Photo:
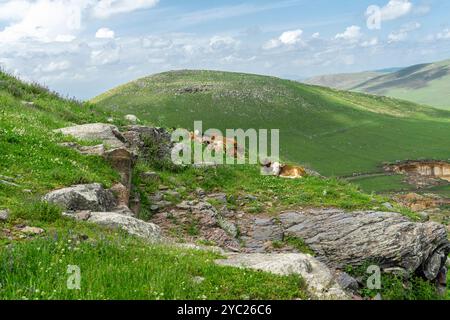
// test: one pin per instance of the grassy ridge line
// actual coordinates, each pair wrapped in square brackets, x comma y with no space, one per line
[335,132]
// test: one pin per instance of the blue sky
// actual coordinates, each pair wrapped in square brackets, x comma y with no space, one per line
[84,47]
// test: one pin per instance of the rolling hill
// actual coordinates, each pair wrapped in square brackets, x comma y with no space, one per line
[424,83]
[335,132]
[343,81]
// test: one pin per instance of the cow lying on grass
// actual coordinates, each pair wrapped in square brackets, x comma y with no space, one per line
[218,144]
[282,170]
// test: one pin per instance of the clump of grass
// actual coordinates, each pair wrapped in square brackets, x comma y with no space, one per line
[298,244]
[40,211]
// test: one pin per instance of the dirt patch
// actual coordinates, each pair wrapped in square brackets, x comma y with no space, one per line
[422,174]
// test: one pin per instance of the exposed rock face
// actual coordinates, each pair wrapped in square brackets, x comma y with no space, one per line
[318,278]
[133,226]
[353,238]
[121,193]
[122,160]
[107,133]
[417,202]
[422,173]
[210,224]
[146,141]
[98,150]
[83,197]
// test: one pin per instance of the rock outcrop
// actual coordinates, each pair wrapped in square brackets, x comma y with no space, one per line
[107,133]
[133,226]
[149,142]
[353,238]
[83,197]
[318,278]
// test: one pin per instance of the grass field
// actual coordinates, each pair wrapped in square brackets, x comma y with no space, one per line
[335,132]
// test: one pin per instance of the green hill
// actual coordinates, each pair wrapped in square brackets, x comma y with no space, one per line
[343,81]
[334,132]
[424,83]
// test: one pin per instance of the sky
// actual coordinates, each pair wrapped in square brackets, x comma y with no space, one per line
[81,48]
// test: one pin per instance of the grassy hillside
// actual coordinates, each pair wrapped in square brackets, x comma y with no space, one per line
[334,132]
[35,267]
[343,81]
[424,83]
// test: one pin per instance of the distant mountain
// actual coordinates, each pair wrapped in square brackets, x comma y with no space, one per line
[344,81]
[427,83]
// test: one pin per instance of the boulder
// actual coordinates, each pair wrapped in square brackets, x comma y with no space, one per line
[82,197]
[97,150]
[133,226]
[388,239]
[131,118]
[4,215]
[107,133]
[153,143]
[318,278]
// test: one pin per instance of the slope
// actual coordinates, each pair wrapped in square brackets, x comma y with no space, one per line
[334,132]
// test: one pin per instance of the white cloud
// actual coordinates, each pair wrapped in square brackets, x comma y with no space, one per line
[107,8]
[13,10]
[287,38]
[43,20]
[104,33]
[271,44]
[58,20]
[223,43]
[107,55]
[402,34]
[351,34]
[370,43]
[395,9]
[316,35]
[291,37]
[445,34]
[53,66]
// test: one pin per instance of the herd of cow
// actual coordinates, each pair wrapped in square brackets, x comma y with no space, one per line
[230,147]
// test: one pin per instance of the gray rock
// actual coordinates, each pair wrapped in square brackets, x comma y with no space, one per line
[229,227]
[424,216]
[171,194]
[388,206]
[106,133]
[353,238]
[131,118]
[149,142]
[150,176]
[4,215]
[319,279]
[91,197]
[133,226]
[347,282]
[267,230]
[220,197]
